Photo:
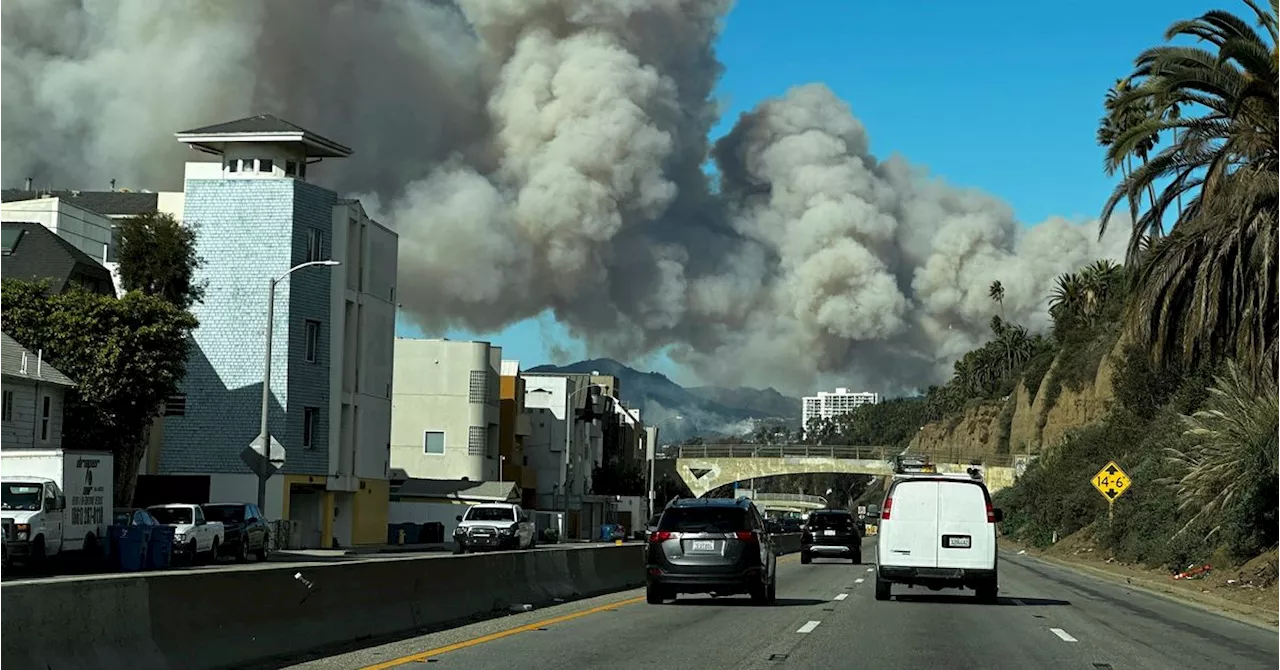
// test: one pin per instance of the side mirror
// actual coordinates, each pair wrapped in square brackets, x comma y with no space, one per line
[997,514]
[459,517]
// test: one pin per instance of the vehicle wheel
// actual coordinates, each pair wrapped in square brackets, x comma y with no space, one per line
[883,588]
[192,554]
[760,594]
[772,594]
[988,592]
[38,557]
[91,554]
[242,551]
[857,557]
[265,550]
[805,558]
[458,548]
[213,551]
[654,594]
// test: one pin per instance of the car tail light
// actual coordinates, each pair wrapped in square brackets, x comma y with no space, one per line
[747,536]
[991,513]
[886,508]
[661,536]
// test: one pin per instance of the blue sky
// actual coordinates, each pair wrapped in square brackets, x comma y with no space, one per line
[999,95]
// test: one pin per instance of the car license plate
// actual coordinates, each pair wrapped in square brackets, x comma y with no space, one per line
[703,546]
[957,541]
[828,533]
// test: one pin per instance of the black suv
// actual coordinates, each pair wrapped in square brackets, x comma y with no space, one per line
[245,529]
[715,545]
[831,533]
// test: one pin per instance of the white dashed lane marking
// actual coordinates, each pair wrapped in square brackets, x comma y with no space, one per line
[841,596]
[808,628]
[870,569]
[1066,637]
[859,580]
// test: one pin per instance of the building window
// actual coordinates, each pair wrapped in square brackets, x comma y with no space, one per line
[477,440]
[264,165]
[7,411]
[310,426]
[313,340]
[315,245]
[233,165]
[46,411]
[433,442]
[477,393]
[176,405]
[291,168]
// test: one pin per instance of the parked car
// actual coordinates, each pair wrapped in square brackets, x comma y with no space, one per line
[831,533]
[937,531]
[245,530]
[718,546]
[55,502]
[494,526]
[193,535]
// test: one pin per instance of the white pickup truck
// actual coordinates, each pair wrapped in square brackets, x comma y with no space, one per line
[193,535]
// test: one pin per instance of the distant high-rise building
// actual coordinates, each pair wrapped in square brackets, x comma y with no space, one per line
[826,405]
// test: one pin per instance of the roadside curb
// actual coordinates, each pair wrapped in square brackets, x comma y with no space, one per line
[1248,614]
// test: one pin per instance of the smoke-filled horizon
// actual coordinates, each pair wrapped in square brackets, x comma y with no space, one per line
[548,154]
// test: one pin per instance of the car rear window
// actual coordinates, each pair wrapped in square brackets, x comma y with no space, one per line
[831,521]
[224,513]
[704,520]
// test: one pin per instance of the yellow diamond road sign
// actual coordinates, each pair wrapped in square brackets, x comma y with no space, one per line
[1111,481]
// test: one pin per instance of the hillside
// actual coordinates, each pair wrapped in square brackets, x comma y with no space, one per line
[707,410]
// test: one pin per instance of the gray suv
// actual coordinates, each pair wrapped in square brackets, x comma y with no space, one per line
[717,546]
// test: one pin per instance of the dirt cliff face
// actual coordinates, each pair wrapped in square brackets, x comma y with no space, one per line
[1022,423]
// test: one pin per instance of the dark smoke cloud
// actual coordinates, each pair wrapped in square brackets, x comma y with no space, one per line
[547,154]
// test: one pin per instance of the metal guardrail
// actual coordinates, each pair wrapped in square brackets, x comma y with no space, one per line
[790,497]
[778,451]
[882,453]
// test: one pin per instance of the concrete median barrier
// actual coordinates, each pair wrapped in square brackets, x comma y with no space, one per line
[214,619]
[788,543]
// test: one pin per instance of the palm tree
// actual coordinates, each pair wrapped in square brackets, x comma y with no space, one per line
[1232,444]
[1208,290]
[996,293]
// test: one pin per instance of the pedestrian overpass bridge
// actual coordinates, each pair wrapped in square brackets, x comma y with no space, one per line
[705,467]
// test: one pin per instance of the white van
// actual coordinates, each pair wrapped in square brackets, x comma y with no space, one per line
[937,531]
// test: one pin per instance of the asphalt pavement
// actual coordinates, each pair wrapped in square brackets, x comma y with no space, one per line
[826,617]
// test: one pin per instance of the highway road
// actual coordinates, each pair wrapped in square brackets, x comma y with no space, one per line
[826,617]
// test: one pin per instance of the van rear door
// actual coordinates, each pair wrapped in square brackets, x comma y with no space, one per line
[908,537]
[965,538]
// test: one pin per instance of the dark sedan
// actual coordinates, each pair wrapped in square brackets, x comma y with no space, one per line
[246,530]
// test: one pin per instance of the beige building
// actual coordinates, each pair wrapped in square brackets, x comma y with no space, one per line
[445,409]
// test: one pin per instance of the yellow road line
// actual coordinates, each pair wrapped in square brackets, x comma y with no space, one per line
[424,655]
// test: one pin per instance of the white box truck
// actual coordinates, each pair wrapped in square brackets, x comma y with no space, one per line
[54,501]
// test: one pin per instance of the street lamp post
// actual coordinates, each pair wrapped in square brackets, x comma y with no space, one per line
[653,459]
[264,467]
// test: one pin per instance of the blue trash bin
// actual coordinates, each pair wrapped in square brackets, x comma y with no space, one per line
[129,547]
[160,548]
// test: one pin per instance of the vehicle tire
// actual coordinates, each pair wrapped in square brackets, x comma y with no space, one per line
[90,553]
[458,548]
[988,592]
[805,558]
[772,594]
[38,557]
[192,554]
[884,588]
[654,595]
[242,551]
[857,557]
[213,551]
[760,593]
[265,550]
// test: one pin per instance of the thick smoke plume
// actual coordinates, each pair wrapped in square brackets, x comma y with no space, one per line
[548,154]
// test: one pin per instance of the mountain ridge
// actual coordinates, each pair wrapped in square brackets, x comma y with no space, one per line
[706,410]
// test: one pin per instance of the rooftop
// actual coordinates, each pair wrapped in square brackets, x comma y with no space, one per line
[33,252]
[261,128]
[106,203]
[17,361]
